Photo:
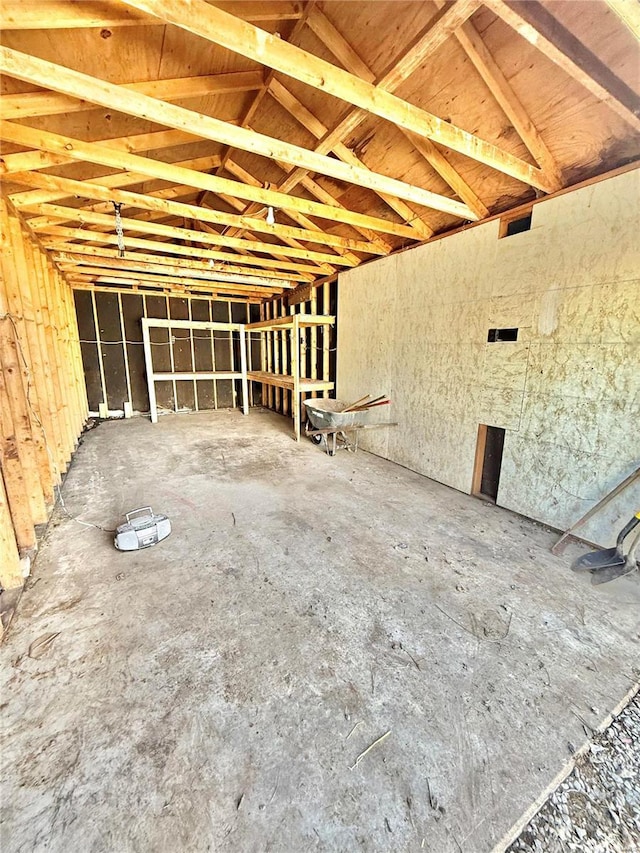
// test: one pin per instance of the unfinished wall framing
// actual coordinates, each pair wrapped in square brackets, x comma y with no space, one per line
[43,404]
[112,350]
[317,351]
[566,392]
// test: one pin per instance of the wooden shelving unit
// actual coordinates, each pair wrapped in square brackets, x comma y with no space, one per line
[293,380]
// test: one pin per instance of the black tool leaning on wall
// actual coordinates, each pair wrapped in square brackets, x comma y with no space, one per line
[611,563]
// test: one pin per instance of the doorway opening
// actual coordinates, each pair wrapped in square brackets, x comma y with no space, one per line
[488,462]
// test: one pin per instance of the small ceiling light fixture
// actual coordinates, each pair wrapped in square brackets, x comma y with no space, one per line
[271,217]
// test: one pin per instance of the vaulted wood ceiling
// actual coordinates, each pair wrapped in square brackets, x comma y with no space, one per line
[359,127]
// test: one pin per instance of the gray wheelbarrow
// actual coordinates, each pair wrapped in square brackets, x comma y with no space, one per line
[335,429]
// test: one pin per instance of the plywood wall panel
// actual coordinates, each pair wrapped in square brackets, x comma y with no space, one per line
[414,326]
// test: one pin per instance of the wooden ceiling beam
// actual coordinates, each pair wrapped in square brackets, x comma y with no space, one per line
[29,104]
[28,161]
[66,188]
[57,236]
[103,155]
[40,72]
[534,23]
[245,122]
[150,289]
[294,107]
[262,91]
[230,264]
[69,14]
[318,22]
[172,288]
[433,35]
[629,13]
[473,45]
[99,269]
[243,175]
[133,284]
[50,214]
[241,37]
[54,188]
[343,51]
[138,264]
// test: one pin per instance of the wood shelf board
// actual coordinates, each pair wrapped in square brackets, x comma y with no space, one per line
[302,321]
[283,380]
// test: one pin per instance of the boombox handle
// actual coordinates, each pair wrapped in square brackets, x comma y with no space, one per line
[143,509]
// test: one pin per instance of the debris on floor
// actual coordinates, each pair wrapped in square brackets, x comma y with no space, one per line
[597,807]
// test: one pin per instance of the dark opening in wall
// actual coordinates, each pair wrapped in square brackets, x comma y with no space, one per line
[488,462]
[509,227]
[498,335]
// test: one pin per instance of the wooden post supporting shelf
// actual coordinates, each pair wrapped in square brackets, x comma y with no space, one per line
[290,325]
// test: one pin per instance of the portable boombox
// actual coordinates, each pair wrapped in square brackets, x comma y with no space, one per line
[142,529]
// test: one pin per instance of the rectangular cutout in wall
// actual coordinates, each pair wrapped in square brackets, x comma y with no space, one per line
[515,225]
[488,462]
[499,335]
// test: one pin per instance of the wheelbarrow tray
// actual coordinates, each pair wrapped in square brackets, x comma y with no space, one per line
[328,414]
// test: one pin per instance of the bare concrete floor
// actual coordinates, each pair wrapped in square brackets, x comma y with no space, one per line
[215,692]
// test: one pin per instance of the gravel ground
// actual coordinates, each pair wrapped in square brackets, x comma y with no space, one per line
[597,807]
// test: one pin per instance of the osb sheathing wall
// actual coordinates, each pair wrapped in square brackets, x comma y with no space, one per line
[414,326]
[42,398]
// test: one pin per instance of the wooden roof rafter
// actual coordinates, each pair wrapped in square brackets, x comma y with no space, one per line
[69,14]
[245,123]
[231,280]
[342,50]
[133,283]
[133,261]
[101,154]
[31,104]
[292,105]
[229,263]
[201,201]
[58,237]
[325,198]
[49,214]
[535,23]
[51,188]
[60,78]
[433,36]
[236,35]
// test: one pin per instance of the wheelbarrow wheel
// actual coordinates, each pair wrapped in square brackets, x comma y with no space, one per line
[316,439]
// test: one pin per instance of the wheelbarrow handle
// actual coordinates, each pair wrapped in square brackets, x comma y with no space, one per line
[626,530]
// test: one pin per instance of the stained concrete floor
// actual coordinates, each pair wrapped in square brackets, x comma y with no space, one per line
[215,692]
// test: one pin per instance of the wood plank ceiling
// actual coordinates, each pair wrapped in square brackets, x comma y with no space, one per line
[251,147]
